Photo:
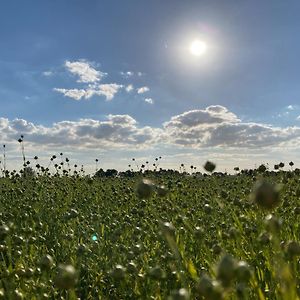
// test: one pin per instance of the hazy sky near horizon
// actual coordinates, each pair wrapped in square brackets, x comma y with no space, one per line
[116,79]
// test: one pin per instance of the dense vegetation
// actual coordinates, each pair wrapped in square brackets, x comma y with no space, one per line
[173,236]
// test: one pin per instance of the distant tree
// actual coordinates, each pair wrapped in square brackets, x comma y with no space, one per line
[100,173]
[107,173]
[111,173]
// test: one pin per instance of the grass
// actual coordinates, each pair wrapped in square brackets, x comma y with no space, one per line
[175,236]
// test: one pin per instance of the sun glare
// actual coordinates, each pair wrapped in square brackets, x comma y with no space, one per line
[198,48]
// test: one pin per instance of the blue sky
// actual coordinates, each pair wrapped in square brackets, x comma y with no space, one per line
[116,80]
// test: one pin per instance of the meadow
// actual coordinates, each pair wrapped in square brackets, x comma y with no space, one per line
[150,235]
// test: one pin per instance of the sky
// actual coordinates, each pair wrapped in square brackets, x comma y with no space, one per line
[116,80]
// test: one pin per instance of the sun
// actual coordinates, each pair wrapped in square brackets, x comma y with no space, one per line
[198,48]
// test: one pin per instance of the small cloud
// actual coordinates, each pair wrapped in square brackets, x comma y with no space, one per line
[129,88]
[140,74]
[143,90]
[149,100]
[75,94]
[107,90]
[292,107]
[47,73]
[90,76]
[127,74]
[298,118]
[84,70]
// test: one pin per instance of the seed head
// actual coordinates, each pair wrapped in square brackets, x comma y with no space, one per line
[167,228]
[46,262]
[266,195]
[226,270]
[145,189]
[243,272]
[209,166]
[161,191]
[293,249]
[4,231]
[209,289]
[66,277]
[181,294]
[17,295]
[118,272]
[273,224]
[157,273]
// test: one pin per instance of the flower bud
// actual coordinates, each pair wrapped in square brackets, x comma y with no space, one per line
[226,270]
[145,189]
[66,277]
[293,249]
[46,262]
[266,195]
[243,272]
[4,231]
[118,272]
[181,294]
[272,223]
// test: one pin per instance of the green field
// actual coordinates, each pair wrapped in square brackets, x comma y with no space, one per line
[198,237]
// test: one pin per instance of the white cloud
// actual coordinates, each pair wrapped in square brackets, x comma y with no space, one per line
[215,126]
[211,129]
[91,77]
[108,90]
[114,132]
[127,74]
[47,73]
[149,100]
[84,70]
[291,107]
[75,94]
[298,118]
[210,115]
[129,88]
[142,90]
